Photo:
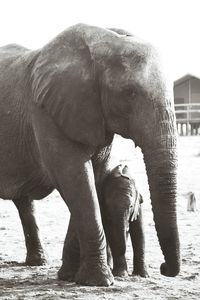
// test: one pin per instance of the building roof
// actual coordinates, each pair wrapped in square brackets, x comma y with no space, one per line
[185,78]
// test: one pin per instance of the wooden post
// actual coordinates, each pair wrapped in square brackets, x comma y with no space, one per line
[188,109]
[187,128]
[181,128]
[192,129]
[195,128]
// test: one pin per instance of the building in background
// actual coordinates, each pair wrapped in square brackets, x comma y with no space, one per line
[187,104]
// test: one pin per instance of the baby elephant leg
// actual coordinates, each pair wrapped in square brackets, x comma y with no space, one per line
[116,249]
[35,253]
[138,243]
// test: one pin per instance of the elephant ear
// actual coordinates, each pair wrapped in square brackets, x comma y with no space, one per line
[121,171]
[136,207]
[126,173]
[64,84]
[117,171]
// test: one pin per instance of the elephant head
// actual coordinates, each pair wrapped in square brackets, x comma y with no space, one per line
[94,81]
[121,195]
[138,104]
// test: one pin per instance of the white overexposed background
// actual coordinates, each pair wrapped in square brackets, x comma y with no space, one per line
[172,25]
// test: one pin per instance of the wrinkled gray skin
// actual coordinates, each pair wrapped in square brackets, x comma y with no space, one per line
[122,215]
[35,255]
[59,109]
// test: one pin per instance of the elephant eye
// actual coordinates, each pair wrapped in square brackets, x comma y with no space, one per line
[129,92]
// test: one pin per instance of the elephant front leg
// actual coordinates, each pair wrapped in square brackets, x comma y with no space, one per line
[120,268]
[71,254]
[138,243]
[70,170]
[78,190]
[75,181]
[35,254]
[116,238]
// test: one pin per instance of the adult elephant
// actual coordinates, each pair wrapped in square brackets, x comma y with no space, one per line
[59,108]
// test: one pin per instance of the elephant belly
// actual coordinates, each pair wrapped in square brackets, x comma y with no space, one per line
[34,186]
[21,171]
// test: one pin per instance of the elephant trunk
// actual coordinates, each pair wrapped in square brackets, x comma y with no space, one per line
[161,165]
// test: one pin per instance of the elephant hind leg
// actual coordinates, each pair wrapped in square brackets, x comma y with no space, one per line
[69,167]
[35,253]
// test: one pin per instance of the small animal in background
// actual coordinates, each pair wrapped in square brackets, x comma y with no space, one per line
[191,205]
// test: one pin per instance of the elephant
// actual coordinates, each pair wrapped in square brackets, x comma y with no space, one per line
[60,107]
[122,214]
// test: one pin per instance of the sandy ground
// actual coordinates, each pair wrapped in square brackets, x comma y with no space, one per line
[20,282]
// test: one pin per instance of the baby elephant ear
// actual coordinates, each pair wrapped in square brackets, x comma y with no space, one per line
[136,207]
[117,171]
[126,172]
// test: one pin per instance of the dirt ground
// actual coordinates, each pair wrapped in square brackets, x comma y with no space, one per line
[21,282]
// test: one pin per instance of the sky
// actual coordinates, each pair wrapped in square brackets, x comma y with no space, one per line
[173,26]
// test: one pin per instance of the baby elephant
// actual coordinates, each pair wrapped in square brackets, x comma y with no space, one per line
[122,214]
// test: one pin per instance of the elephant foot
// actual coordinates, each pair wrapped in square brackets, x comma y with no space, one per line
[36,259]
[120,272]
[94,275]
[164,270]
[67,274]
[140,272]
